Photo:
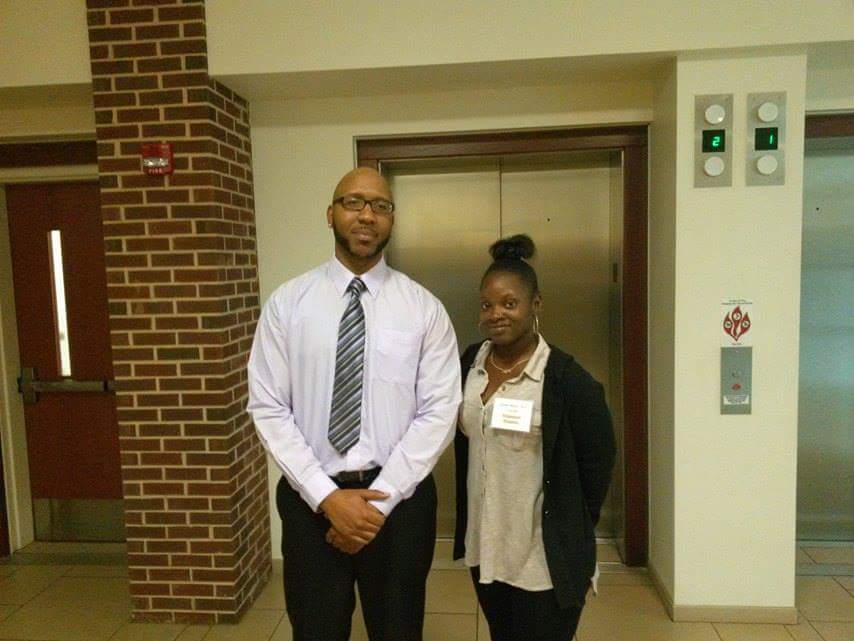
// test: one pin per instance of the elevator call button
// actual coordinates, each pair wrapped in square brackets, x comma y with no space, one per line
[766,165]
[768,111]
[713,140]
[766,139]
[715,114]
[714,166]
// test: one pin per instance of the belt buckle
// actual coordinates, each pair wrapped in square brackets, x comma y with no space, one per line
[354,476]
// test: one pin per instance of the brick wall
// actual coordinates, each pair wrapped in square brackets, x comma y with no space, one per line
[183,296]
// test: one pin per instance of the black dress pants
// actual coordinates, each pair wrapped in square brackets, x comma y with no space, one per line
[391,571]
[514,614]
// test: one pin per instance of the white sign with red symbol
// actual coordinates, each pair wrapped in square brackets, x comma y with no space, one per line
[737,323]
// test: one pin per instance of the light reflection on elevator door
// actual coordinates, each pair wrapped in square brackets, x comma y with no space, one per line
[450,211]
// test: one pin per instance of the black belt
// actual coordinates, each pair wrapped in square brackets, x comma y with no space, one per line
[358,476]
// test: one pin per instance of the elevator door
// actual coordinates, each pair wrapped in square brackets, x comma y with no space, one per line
[449,212]
[826,397]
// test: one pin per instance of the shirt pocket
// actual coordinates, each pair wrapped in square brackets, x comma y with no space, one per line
[397,355]
[523,441]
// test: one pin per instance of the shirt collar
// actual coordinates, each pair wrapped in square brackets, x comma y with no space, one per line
[537,364]
[373,278]
[534,368]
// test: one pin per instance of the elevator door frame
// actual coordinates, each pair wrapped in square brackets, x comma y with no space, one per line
[632,141]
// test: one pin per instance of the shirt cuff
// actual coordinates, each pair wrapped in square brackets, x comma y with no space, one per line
[394,497]
[317,488]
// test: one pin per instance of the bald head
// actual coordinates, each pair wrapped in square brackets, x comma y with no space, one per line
[360,179]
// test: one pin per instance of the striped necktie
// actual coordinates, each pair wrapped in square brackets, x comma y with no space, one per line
[345,418]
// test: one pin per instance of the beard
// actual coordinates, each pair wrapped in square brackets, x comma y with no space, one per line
[348,247]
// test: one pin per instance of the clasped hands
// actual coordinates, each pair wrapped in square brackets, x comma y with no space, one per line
[355,522]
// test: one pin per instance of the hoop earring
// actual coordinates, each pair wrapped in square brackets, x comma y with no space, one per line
[536,325]
[479,327]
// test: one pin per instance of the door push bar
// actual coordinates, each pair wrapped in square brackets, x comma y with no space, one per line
[30,387]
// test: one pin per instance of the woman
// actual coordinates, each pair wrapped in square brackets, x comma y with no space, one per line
[534,451]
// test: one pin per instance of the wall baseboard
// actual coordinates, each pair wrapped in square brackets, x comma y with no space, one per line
[735,614]
[663,592]
[721,613]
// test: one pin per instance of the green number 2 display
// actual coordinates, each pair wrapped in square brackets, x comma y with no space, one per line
[714,140]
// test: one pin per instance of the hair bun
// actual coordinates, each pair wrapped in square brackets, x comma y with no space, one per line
[518,247]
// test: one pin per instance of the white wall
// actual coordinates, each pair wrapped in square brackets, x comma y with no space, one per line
[831,89]
[263,36]
[49,111]
[302,147]
[43,42]
[735,475]
[661,319]
[830,76]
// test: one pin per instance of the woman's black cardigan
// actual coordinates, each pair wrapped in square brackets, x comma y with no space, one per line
[578,455]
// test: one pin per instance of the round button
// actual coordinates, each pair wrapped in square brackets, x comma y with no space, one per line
[766,165]
[714,166]
[768,111]
[715,114]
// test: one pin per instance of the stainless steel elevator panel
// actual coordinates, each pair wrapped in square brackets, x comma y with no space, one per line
[613,514]
[826,395]
[445,220]
[450,211]
[565,204]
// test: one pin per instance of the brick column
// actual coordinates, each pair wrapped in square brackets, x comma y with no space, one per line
[183,296]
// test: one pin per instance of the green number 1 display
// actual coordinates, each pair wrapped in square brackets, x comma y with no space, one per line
[714,140]
[767,138]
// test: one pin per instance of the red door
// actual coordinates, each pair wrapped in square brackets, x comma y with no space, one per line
[63,334]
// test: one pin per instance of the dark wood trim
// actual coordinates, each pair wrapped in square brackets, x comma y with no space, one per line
[632,141]
[635,187]
[5,547]
[372,151]
[829,125]
[48,154]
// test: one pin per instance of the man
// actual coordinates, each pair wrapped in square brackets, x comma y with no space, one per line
[354,386]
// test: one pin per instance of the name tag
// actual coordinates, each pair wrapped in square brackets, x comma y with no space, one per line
[512,414]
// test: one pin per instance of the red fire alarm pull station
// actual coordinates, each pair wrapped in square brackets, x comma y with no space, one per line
[157,158]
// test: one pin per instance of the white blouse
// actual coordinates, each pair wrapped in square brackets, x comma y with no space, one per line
[505,479]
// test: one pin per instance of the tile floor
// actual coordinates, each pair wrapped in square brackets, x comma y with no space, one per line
[60,592]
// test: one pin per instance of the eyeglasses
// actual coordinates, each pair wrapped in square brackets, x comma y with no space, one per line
[357,203]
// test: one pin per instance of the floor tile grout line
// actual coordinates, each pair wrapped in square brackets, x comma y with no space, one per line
[43,590]
[17,607]
[790,633]
[815,629]
[276,627]
[809,556]
[114,633]
[836,578]
[119,629]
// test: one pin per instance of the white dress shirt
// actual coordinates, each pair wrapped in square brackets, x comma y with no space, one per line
[410,392]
